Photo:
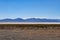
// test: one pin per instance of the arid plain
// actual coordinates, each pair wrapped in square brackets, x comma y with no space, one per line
[29,33]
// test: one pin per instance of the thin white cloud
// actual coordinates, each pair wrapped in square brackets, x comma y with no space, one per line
[35,17]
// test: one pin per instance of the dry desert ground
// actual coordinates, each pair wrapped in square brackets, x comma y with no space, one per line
[39,34]
[29,32]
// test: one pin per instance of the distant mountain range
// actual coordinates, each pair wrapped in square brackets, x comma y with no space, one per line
[30,20]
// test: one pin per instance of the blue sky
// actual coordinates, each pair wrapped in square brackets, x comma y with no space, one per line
[30,8]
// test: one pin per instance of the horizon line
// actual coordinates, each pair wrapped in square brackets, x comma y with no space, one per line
[29,17]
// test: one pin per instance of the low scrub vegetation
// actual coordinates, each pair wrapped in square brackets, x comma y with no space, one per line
[30,26]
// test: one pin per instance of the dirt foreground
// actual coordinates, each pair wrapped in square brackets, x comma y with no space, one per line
[40,34]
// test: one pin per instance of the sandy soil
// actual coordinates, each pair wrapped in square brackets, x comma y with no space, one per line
[40,34]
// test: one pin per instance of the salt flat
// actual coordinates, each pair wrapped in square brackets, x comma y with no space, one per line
[29,22]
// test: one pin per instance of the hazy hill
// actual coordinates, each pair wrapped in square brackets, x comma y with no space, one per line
[30,20]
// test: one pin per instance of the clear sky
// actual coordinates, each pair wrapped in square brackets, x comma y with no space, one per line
[30,8]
